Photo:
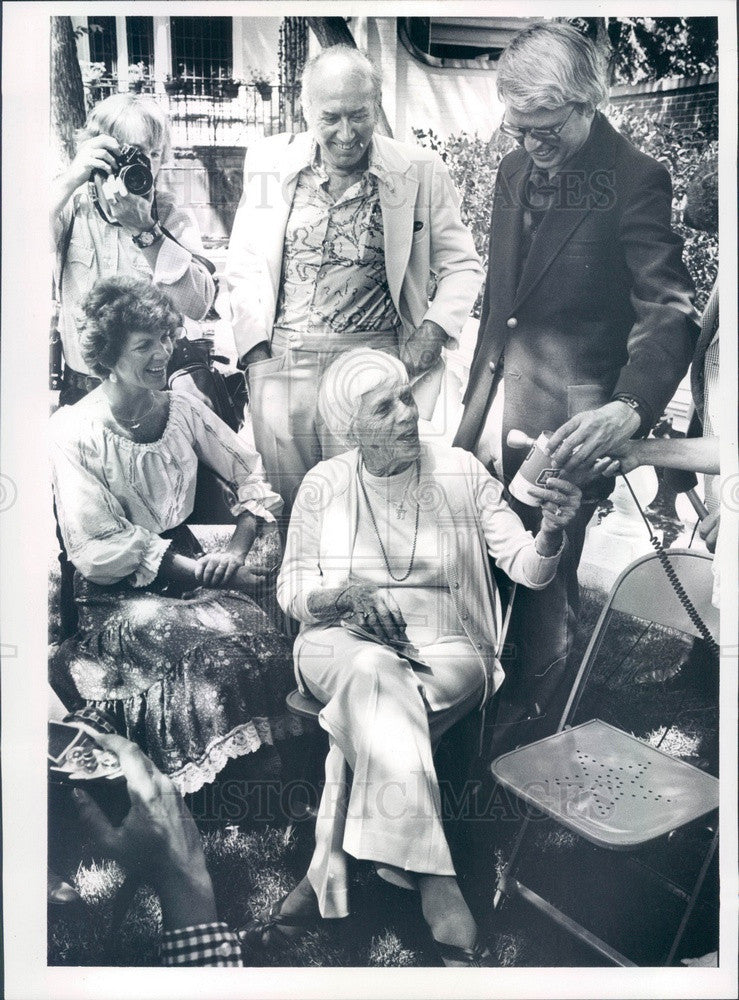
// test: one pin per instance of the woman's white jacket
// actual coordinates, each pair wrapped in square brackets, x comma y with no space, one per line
[473,520]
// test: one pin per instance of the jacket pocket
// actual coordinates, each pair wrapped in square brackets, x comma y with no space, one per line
[80,253]
[585,397]
[267,366]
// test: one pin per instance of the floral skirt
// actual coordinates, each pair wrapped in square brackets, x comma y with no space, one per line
[194,680]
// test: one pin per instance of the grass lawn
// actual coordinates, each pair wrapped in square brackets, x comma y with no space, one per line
[256,863]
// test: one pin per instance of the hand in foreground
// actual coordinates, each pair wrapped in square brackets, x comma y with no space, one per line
[423,348]
[375,610]
[708,530]
[97,153]
[590,435]
[132,211]
[158,836]
[560,502]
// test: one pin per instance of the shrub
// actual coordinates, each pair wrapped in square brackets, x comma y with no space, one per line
[473,163]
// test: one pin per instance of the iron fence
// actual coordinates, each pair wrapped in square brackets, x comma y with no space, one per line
[215,112]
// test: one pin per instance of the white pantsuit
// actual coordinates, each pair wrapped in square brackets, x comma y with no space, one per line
[384,716]
[379,722]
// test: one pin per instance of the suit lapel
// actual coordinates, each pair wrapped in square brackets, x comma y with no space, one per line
[561,221]
[397,201]
[506,234]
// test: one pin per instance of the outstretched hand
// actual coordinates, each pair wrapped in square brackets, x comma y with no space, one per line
[590,435]
[560,502]
[158,831]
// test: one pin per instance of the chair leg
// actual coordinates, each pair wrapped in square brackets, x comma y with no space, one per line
[693,898]
[506,875]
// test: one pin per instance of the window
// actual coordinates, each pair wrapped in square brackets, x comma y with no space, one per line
[202,50]
[140,38]
[103,43]
[458,41]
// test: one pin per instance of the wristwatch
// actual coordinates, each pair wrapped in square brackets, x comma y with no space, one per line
[624,397]
[148,237]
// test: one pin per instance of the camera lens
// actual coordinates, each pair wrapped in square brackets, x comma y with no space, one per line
[137,178]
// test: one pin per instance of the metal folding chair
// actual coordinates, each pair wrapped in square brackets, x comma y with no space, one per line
[603,784]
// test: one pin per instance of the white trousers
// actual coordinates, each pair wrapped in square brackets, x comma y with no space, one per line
[383,719]
[289,432]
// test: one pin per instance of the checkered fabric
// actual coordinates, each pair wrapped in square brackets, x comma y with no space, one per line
[201,944]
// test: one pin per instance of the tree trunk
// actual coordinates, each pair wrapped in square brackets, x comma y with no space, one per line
[293,52]
[67,92]
[607,30]
[335,31]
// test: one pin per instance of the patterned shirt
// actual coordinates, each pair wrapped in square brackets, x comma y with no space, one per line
[201,944]
[99,250]
[333,265]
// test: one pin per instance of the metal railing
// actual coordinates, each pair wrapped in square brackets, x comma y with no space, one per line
[208,112]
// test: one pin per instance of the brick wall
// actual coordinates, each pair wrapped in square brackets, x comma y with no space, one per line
[687,102]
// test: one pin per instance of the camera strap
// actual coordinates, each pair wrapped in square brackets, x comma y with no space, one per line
[207,264]
[95,199]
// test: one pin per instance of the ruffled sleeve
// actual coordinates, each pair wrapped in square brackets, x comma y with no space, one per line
[230,456]
[101,542]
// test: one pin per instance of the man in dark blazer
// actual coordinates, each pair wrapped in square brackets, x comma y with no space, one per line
[587,325]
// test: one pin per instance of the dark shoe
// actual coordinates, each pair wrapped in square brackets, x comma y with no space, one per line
[257,934]
[479,956]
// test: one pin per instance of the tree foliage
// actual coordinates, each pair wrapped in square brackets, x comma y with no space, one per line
[649,48]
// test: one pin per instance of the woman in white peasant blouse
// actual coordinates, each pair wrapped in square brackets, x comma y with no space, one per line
[170,641]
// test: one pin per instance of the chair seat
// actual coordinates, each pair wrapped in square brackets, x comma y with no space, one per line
[306,706]
[606,785]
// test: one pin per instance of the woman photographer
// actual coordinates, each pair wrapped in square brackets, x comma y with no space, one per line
[130,240]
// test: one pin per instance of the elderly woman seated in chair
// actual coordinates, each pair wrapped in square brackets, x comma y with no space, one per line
[386,568]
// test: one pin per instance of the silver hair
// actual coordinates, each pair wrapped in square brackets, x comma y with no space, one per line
[550,64]
[347,379]
[135,119]
[357,57]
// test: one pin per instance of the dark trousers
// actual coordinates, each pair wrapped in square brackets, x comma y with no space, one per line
[538,660]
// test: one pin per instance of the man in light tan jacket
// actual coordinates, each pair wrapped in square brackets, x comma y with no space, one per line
[337,237]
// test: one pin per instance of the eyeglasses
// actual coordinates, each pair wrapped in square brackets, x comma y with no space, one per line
[539,134]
